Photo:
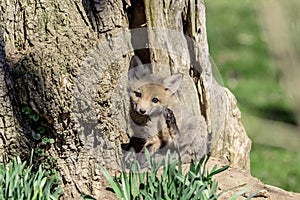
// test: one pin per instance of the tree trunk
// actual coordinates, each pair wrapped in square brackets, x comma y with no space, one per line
[66,62]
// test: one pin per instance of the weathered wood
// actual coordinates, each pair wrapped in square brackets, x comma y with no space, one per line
[180,42]
[68,60]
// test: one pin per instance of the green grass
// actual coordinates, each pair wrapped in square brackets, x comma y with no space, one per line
[276,165]
[238,47]
[166,180]
[18,181]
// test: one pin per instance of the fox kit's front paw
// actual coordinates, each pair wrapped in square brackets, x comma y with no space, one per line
[171,121]
[169,116]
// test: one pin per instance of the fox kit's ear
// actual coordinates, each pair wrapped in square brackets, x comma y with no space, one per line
[137,70]
[172,83]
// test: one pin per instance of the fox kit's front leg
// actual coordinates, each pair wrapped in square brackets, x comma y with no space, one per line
[153,144]
[165,137]
[172,125]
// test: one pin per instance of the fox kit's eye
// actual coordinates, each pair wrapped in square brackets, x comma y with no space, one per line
[138,94]
[155,100]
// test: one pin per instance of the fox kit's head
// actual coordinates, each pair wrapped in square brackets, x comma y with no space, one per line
[150,94]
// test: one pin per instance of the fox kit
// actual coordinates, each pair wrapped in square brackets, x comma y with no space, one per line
[152,102]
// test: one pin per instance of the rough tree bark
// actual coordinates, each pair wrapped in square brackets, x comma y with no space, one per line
[59,58]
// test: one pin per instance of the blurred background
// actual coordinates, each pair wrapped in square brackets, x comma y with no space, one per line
[256,47]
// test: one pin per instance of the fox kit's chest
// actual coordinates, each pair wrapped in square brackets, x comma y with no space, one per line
[148,128]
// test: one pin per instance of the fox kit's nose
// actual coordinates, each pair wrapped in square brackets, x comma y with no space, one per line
[142,111]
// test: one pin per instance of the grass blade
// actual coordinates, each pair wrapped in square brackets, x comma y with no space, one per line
[115,186]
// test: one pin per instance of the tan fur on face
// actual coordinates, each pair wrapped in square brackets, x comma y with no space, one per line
[148,93]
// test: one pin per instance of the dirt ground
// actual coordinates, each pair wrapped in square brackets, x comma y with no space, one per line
[242,180]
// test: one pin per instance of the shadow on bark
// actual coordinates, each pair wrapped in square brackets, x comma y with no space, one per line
[24,84]
[15,135]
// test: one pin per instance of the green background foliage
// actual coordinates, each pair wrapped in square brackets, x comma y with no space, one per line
[238,46]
